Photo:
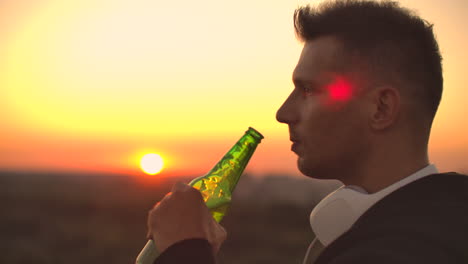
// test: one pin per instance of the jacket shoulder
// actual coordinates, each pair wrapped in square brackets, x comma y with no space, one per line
[433,209]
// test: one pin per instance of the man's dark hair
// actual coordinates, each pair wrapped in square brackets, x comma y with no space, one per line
[392,43]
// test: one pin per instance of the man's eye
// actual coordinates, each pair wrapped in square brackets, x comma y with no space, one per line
[306,90]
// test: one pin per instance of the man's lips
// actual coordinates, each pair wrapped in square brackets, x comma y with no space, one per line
[293,138]
[295,141]
[295,145]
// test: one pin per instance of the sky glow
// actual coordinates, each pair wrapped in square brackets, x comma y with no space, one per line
[90,85]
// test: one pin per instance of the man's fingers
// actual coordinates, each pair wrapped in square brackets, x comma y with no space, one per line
[155,205]
[217,237]
[149,235]
[188,191]
[180,215]
[180,186]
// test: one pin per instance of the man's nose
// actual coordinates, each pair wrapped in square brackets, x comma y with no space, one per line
[286,113]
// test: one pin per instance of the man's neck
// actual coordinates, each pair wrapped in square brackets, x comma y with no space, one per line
[379,175]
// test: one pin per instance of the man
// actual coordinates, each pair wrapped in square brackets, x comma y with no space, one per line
[367,87]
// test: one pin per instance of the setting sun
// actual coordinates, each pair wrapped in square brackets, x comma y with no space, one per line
[152,164]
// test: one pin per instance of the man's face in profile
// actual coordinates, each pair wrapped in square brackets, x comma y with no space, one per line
[324,113]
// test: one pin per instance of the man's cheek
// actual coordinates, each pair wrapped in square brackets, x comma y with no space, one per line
[338,93]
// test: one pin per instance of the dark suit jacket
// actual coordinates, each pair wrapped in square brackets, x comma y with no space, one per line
[194,251]
[425,221]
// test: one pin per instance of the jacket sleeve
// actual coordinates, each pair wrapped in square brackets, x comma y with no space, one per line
[193,251]
[392,249]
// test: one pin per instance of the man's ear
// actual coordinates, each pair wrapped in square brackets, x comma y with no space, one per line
[386,102]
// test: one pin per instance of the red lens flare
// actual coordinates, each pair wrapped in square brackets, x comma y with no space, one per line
[340,89]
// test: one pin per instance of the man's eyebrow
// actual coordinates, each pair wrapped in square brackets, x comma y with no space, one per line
[299,81]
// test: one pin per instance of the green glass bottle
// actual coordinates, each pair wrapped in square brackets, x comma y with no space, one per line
[217,185]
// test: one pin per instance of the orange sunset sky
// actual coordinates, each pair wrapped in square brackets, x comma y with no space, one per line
[92,85]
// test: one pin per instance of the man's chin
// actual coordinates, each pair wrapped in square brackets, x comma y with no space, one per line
[311,170]
[305,167]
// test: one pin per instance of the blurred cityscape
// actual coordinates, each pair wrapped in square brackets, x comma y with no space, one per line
[68,218]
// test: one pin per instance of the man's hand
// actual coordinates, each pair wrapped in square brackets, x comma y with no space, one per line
[181,215]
